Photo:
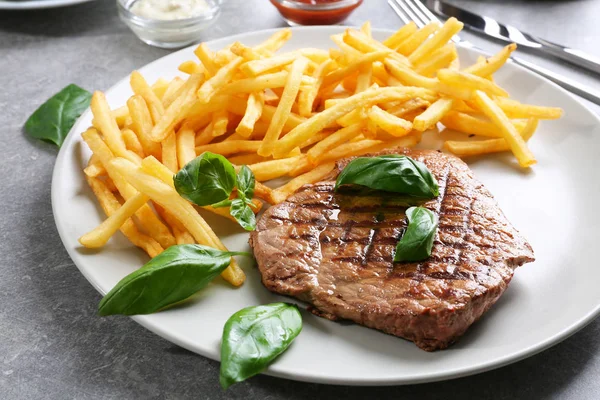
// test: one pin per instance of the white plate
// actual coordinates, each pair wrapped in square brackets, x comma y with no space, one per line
[37,4]
[554,205]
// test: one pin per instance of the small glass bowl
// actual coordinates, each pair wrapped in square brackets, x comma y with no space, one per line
[296,12]
[172,33]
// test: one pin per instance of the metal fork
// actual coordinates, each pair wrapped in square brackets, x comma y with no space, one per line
[414,10]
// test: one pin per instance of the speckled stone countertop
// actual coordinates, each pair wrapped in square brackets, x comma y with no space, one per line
[53,346]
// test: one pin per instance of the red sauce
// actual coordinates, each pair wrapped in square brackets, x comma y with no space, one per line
[315,15]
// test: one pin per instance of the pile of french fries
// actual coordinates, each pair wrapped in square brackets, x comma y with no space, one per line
[290,115]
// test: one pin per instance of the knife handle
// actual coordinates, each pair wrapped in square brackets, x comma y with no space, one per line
[573,56]
[566,83]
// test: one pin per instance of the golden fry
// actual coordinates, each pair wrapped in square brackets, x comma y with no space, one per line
[254,109]
[508,130]
[186,147]
[400,35]
[272,169]
[412,42]
[280,194]
[462,79]
[433,114]
[514,109]
[142,124]
[490,65]
[104,121]
[169,199]
[132,143]
[206,56]
[283,109]
[230,147]
[111,205]
[390,123]
[333,140]
[220,79]
[450,28]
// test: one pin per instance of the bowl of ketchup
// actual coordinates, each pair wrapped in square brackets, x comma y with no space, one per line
[315,12]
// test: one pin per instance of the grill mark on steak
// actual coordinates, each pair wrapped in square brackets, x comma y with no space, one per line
[335,251]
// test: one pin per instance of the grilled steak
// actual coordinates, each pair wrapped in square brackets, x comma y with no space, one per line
[335,251]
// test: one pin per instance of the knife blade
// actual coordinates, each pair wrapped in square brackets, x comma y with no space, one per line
[508,33]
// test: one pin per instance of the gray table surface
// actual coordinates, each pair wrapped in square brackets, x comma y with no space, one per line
[52,345]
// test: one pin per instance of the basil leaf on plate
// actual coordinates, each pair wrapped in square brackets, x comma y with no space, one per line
[244,215]
[172,276]
[254,337]
[207,179]
[245,183]
[390,173]
[417,241]
[53,120]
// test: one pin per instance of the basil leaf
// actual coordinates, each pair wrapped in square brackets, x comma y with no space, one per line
[172,276]
[390,173]
[254,337]
[53,120]
[245,183]
[244,215]
[207,179]
[417,241]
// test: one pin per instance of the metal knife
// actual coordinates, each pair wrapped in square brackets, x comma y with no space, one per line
[508,33]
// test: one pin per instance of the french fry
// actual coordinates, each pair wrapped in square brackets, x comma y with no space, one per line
[272,169]
[283,109]
[514,109]
[390,123]
[433,114]
[146,217]
[462,79]
[111,205]
[478,147]
[120,115]
[317,123]
[365,44]
[206,56]
[177,110]
[230,147]
[142,124]
[491,64]
[405,107]
[408,76]
[508,130]
[190,67]
[182,236]
[275,42]
[205,137]
[99,236]
[247,53]
[441,58]
[450,28]
[280,194]
[173,91]
[336,76]
[220,121]
[159,87]
[132,143]
[412,42]
[333,140]
[153,102]
[355,116]
[247,159]
[263,192]
[169,199]
[169,152]
[104,121]
[186,150]
[262,82]
[258,67]
[363,81]
[400,35]
[220,79]
[254,109]
[94,167]
[307,96]
[473,125]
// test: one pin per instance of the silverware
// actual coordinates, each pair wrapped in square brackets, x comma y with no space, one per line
[414,10]
[508,33]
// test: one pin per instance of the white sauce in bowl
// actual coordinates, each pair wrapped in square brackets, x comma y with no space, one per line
[169,9]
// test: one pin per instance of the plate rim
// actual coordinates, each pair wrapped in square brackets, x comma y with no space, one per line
[301,376]
[39,4]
